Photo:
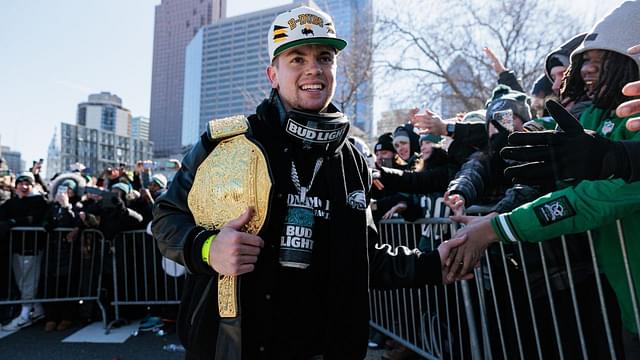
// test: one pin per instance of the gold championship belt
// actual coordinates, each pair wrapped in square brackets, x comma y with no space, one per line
[233,177]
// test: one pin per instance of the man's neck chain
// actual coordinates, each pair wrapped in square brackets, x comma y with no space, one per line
[302,190]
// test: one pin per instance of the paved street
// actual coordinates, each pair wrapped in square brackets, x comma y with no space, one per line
[33,343]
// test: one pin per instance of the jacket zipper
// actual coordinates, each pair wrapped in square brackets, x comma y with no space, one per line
[201,301]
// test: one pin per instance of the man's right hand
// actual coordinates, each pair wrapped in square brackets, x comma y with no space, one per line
[234,252]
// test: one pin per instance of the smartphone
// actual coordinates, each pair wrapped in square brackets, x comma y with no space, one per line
[504,118]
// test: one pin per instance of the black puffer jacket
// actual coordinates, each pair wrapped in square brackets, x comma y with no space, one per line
[350,245]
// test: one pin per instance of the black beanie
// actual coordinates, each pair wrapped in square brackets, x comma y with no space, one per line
[542,85]
[385,142]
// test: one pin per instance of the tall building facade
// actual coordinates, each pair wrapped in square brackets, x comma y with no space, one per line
[53,156]
[102,136]
[176,22]
[225,69]
[450,102]
[139,128]
[13,159]
[97,149]
[104,111]
[390,120]
[354,23]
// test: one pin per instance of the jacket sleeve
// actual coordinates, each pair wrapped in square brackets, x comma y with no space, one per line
[424,182]
[588,205]
[173,226]
[400,267]
[471,180]
[509,78]
[467,139]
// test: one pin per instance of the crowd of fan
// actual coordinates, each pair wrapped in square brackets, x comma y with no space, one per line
[433,168]
[116,200]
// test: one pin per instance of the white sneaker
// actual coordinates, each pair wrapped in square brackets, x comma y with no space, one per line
[17,323]
[37,313]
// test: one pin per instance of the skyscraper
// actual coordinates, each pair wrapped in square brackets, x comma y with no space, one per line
[104,111]
[53,156]
[176,22]
[101,136]
[354,93]
[139,128]
[451,104]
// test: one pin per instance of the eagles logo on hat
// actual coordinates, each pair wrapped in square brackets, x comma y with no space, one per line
[300,26]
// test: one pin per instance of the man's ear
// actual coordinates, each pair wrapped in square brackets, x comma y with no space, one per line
[272,74]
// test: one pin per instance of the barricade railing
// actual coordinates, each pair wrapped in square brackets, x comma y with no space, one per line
[141,275]
[542,300]
[40,266]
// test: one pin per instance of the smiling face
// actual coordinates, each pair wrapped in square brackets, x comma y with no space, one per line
[304,77]
[590,70]
[23,188]
[426,149]
[403,148]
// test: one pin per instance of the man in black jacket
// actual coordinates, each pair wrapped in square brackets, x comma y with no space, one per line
[27,208]
[303,279]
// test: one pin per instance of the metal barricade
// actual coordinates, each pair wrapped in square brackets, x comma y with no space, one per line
[529,300]
[141,275]
[433,321]
[40,266]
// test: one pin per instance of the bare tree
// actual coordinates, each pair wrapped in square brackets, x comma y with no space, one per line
[438,47]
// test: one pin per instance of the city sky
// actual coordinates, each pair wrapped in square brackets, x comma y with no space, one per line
[55,53]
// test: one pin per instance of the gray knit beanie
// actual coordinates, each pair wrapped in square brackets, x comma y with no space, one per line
[616,31]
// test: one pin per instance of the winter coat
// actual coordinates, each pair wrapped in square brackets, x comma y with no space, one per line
[268,327]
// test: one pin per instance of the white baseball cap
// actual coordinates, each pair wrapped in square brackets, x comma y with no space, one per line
[300,26]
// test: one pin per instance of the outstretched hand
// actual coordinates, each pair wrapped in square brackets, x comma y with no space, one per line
[497,65]
[565,154]
[428,122]
[479,235]
[444,250]
[234,252]
[455,202]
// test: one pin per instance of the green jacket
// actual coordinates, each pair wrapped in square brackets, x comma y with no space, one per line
[589,205]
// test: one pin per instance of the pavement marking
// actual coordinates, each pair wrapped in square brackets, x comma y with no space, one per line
[94,333]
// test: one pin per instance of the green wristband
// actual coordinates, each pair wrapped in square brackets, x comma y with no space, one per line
[205,249]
